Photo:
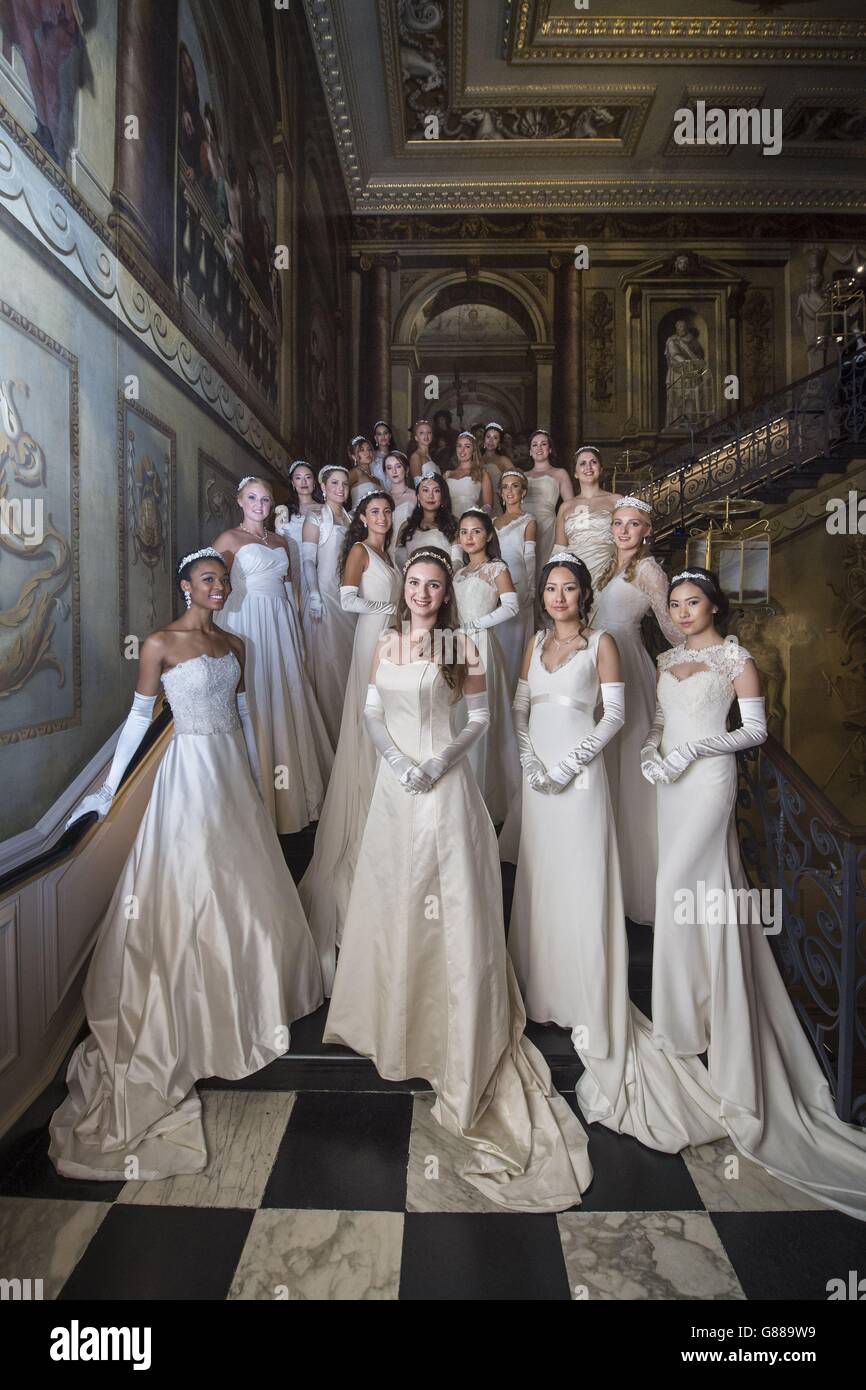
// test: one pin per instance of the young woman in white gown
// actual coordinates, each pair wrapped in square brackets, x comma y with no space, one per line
[494,458]
[289,520]
[584,525]
[205,976]
[567,934]
[361,478]
[486,599]
[329,630]
[399,485]
[468,484]
[383,441]
[516,532]
[369,587]
[716,987]
[419,458]
[548,486]
[633,585]
[295,753]
[431,994]
[431,523]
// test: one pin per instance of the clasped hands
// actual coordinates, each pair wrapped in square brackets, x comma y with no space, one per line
[664,771]
[416,778]
[553,780]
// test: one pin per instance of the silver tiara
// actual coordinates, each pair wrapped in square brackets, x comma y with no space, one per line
[638,502]
[513,473]
[438,555]
[298,463]
[207,554]
[495,425]
[250,478]
[376,426]
[466,434]
[474,511]
[396,454]
[331,468]
[587,449]
[563,556]
[540,430]
[688,574]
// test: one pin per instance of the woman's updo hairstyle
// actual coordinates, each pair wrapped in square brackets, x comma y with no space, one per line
[198,557]
[708,583]
[581,574]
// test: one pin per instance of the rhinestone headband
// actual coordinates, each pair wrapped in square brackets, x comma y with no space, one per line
[466,434]
[331,468]
[381,422]
[688,574]
[207,554]
[563,557]
[396,454]
[588,449]
[438,555]
[512,473]
[540,431]
[495,425]
[250,478]
[299,463]
[377,492]
[638,502]
[474,511]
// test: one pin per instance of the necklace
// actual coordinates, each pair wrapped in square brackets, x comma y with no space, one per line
[564,641]
[262,537]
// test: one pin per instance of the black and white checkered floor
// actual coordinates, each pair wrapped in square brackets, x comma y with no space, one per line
[327,1183]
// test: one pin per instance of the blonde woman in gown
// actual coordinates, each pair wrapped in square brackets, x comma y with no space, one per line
[290,525]
[295,753]
[468,483]
[633,585]
[433,995]
[716,987]
[548,486]
[204,979]
[487,601]
[369,587]
[567,935]
[361,477]
[329,631]
[516,531]
[583,526]
[420,460]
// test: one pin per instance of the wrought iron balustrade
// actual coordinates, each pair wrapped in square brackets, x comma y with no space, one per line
[793,839]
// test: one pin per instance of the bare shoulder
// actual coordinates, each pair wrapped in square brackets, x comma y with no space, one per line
[228,541]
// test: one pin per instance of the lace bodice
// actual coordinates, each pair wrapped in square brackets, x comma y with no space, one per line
[201,693]
[465,492]
[697,705]
[621,605]
[260,570]
[476,591]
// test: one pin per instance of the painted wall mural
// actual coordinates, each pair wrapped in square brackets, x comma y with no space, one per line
[217,489]
[39,613]
[50,36]
[147,545]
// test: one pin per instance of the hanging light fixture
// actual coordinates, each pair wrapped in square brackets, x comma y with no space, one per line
[738,554]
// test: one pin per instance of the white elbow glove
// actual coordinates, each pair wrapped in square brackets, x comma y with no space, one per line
[408,774]
[352,602]
[310,560]
[509,607]
[563,773]
[752,733]
[533,768]
[529,559]
[250,741]
[651,764]
[133,731]
[479,720]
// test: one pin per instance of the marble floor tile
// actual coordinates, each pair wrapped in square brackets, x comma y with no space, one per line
[433,1181]
[44,1238]
[243,1131]
[646,1255]
[315,1255]
[729,1182]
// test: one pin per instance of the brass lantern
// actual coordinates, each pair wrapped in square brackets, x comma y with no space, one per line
[738,554]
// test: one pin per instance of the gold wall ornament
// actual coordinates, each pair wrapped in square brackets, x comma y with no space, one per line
[39,602]
[147,527]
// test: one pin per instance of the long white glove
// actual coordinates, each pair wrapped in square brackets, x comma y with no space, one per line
[651,764]
[351,602]
[479,719]
[310,560]
[563,773]
[529,559]
[408,774]
[250,740]
[133,731]
[534,770]
[509,607]
[752,733]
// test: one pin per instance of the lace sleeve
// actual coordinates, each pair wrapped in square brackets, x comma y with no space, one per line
[672,657]
[492,570]
[652,579]
[736,656]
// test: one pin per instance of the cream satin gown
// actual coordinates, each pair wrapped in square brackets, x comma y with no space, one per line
[330,638]
[325,887]
[423,983]
[541,502]
[295,753]
[494,758]
[514,636]
[567,932]
[716,986]
[589,536]
[465,493]
[218,955]
[620,608]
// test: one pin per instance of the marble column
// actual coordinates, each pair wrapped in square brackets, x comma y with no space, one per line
[376,397]
[144,167]
[567,386]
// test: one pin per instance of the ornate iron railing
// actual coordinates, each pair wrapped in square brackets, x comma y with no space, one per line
[791,429]
[792,838]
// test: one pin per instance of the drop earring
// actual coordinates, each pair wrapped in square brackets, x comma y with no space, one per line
[187,598]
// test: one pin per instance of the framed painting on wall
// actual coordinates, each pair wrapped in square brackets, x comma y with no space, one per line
[147,531]
[40,682]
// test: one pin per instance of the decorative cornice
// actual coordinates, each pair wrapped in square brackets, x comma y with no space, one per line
[323,29]
[38,202]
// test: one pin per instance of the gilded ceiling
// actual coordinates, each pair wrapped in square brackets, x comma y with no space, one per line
[445,105]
